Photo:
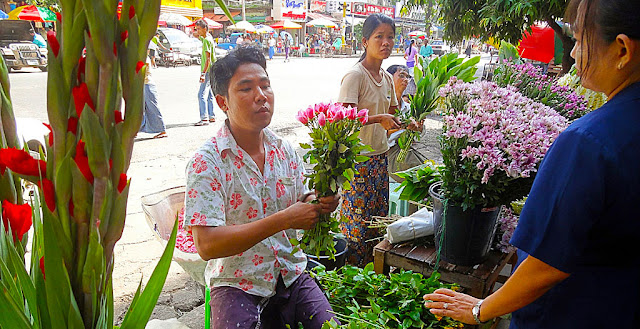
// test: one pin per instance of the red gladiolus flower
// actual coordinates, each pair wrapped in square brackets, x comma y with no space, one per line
[115,49]
[72,125]
[89,34]
[53,42]
[59,17]
[49,193]
[81,97]
[110,164]
[21,162]
[132,12]
[42,267]
[81,67]
[82,162]
[50,133]
[19,216]
[118,116]
[122,183]
[139,66]
[3,168]
[124,35]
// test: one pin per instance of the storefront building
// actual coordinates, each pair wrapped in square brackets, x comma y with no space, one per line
[191,9]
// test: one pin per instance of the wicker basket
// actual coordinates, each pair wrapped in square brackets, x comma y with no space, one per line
[161,210]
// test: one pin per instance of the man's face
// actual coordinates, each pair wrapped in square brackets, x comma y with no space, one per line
[201,31]
[249,104]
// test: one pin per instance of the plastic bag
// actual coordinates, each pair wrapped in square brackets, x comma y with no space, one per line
[409,228]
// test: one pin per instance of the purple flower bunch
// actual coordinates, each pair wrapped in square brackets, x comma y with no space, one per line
[529,80]
[508,221]
[492,137]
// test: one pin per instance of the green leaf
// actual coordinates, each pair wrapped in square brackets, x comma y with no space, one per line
[305,146]
[140,312]
[11,315]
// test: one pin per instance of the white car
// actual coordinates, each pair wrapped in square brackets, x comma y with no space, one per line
[440,47]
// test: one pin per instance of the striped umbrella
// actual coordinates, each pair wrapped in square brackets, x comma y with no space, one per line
[33,13]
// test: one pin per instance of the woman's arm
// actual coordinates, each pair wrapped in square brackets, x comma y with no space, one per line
[532,279]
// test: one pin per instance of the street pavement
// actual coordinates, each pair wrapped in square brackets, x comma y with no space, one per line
[159,164]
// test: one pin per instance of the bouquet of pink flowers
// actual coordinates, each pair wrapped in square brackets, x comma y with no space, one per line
[493,140]
[334,150]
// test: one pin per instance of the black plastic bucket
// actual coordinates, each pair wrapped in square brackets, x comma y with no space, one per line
[341,256]
[467,234]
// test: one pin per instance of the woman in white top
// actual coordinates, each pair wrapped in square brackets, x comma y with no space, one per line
[367,86]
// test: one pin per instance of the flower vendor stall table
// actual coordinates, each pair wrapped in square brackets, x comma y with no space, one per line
[420,257]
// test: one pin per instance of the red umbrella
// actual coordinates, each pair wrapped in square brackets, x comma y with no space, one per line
[538,44]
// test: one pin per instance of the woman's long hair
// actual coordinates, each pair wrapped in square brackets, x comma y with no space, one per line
[371,24]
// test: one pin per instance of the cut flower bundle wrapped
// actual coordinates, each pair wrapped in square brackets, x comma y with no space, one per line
[334,150]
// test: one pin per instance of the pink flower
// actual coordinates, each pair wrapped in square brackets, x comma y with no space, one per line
[363,116]
[302,117]
[322,120]
[352,113]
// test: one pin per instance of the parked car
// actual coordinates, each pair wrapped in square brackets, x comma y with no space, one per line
[178,41]
[232,41]
[17,47]
[440,47]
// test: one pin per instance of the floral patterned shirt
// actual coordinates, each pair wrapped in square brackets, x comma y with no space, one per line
[226,187]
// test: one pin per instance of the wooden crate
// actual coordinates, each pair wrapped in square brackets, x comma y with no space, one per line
[420,256]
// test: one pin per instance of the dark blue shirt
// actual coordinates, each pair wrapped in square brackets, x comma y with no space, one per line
[583,217]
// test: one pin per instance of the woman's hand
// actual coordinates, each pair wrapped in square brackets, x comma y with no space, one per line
[446,302]
[415,125]
[388,121]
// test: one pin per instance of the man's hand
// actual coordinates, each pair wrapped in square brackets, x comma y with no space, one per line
[329,203]
[415,125]
[302,215]
[202,77]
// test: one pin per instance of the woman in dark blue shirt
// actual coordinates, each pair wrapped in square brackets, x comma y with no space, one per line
[578,238]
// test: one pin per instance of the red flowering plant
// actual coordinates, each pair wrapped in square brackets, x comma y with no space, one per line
[96,60]
[334,150]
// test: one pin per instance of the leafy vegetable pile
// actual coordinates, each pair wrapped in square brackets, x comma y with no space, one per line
[363,299]
[418,180]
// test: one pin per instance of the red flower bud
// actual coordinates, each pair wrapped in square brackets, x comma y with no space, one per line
[89,34]
[42,267]
[115,49]
[81,97]
[122,183]
[53,43]
[81,68]
[118,116]
[82,162]
[21,162]
[50,133]
[132,12]
[49,193]
[72,125]
[59,17]
[18,216]
[124,35]
[71,208]
[110,164]
[139,66]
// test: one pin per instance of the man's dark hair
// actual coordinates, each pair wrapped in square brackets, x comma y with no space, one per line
[201,23]
[224,68]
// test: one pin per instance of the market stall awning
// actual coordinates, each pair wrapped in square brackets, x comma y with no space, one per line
[539,44]
[312,16]
[242,26]
[3,15]
[321,22]
[33,13]
[222,18]
[264,29]
[175,19]
[286,24]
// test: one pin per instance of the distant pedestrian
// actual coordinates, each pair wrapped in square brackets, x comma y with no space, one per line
[152,122]
[272,47]
[468,50]
[410,55]
[426,50]
[287,48]
[208,57]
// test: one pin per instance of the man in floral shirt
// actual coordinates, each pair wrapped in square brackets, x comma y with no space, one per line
[243,204]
